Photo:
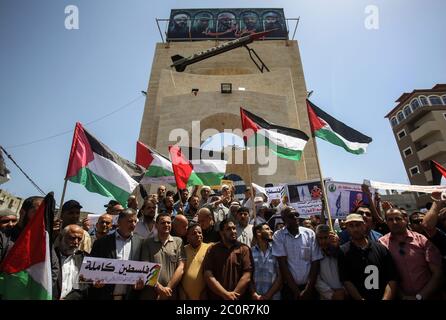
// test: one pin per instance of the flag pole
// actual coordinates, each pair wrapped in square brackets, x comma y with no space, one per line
[252,193]
[73,142]
[324,193]
[63,196]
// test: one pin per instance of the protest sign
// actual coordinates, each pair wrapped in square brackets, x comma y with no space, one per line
[305,197]
[344,198]
[113,271]
[275,193]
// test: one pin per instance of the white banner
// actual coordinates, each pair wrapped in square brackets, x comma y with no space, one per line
[344,198]
[404,187]
[113,271]
[274,193]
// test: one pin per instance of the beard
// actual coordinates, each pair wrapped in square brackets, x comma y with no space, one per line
[67,250]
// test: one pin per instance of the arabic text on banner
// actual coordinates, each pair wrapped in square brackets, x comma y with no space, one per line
[112,271]
[306,198]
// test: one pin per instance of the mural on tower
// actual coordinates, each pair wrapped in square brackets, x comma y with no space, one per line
[227,24]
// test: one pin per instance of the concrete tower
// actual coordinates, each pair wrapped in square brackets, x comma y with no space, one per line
[277,96]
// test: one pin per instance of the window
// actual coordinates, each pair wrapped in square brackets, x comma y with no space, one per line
[435,101]
[415,104]
[407,152]
[393,121]
[407,111]
[414,171]
[424,101]
[444,99]
[400,116]
[401,134]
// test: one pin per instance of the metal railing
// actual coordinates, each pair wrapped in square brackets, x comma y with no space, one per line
[237,30]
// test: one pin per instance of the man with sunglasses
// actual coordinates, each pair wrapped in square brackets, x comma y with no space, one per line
[299,256]
[366,214]
[417,260]
[365,267]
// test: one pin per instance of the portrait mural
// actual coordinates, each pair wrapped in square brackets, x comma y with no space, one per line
[225,24]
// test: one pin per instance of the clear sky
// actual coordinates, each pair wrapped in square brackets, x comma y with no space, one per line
[51,77]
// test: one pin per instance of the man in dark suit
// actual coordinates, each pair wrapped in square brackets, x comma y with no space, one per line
[121,245]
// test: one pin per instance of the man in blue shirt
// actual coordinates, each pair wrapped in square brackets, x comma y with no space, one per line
[266,279]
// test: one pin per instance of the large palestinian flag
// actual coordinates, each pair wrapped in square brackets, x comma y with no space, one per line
[99,169]
[197,167]
[328,128]
[25,273]
[437,172]
[158,167]
[285,142]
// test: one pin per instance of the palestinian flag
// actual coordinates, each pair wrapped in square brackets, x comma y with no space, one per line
[328,128]
[197,167]
[285,142]
[99,169]
[158,167]
[437,172]
[25,273]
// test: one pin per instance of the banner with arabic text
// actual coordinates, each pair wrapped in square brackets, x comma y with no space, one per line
[113,271]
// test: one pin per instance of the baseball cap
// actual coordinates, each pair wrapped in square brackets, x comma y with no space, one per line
[354,217]
[111,203]
[70,204]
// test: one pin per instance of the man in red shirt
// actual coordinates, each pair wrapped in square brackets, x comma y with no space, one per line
[417,260]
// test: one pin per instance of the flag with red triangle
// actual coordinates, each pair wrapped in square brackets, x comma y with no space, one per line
[25,273]
[437,172]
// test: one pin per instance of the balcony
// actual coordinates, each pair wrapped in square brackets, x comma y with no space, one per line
[432,150]
[424,130]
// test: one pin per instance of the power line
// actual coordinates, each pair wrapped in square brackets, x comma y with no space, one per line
[13,161]
[71,130]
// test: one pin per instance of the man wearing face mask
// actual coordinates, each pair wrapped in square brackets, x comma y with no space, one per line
[70,259]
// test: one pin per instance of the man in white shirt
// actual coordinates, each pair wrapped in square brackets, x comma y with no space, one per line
[146,228]
[298,254]
[244,229]
[70,261]
[328,283]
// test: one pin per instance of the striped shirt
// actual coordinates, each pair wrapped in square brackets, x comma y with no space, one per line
[266,269]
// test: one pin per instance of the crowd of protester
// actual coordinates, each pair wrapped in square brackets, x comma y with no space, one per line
[212,246]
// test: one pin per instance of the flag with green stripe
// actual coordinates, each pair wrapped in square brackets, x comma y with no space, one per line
[158,167]
[99,169]
[334,131]
[193,166]
[285,142]
[25,273]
